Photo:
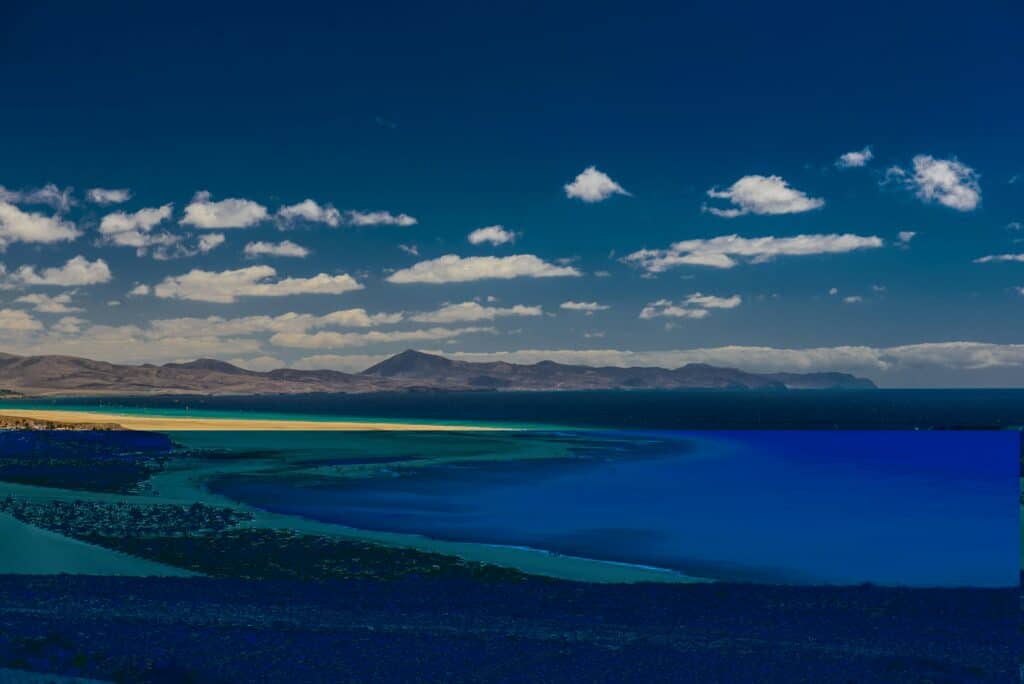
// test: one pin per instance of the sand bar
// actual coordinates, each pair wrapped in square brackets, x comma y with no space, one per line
[156,423]
[25,549]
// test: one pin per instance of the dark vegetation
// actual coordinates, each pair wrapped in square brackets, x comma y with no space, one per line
[460,630]
[100,520]
[198,538]
[89,460]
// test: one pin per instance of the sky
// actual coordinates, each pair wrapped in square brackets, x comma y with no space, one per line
[770,187]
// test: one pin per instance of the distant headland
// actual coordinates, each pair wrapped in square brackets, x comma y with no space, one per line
[409,371]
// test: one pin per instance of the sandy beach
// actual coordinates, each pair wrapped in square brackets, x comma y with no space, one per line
[154,423]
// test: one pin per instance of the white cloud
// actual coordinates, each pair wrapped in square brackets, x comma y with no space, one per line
[105,196]
[49,194]
[494,235]
[17,321]
[592,185]
[22,226]
[410,249]
[906,236]
[949,182]
[853,299]
[310,211]
[664,308]
[135,229]
[57,304]
[210,242]
[588,307]
[1020,290]
[281,249]
[833,291]
[473,311]
[696,306]
[852,160]
[762,195]
[1014,225]
[712,302]
[378,218]
[77,271]
[993,258]
[139,291]
[722,251]
[226,286]
[452,268]
[335,340]
[228,213]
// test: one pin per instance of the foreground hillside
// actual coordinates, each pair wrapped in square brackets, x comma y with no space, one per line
[407,371]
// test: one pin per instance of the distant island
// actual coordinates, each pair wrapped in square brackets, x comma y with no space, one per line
[409,371]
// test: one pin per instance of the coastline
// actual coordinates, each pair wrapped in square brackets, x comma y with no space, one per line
[156,423]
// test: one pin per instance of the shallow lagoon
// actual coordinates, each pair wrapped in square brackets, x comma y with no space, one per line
[902,508]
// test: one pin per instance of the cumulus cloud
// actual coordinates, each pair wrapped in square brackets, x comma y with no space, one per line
[309,211]
[17,322]
[588,307]
[135,229]
[22,226]
[723,251]
[452,268]
[286,248]
[335,340]
[695,306]
[853,299]
[77,271]
[993,258]
[210,242]
[139,291]
[50,195]
[905,236]
[664,308]
[852,160]
[57,304]
[473,311]
[105,196]
[494,235]
[225,287]
[378,218]
[204,213]
[949,182]
[592,185]
[762,195]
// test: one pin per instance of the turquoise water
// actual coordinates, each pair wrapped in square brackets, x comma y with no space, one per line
[667,410]
[899,508]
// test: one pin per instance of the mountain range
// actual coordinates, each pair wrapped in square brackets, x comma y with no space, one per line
[408,371]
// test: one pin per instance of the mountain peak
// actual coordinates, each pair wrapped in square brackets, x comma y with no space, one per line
[410,362]
[207,365]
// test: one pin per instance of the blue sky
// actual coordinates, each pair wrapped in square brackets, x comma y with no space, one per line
[721,221]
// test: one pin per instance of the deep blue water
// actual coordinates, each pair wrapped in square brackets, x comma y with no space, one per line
[905,508]
[669,410]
